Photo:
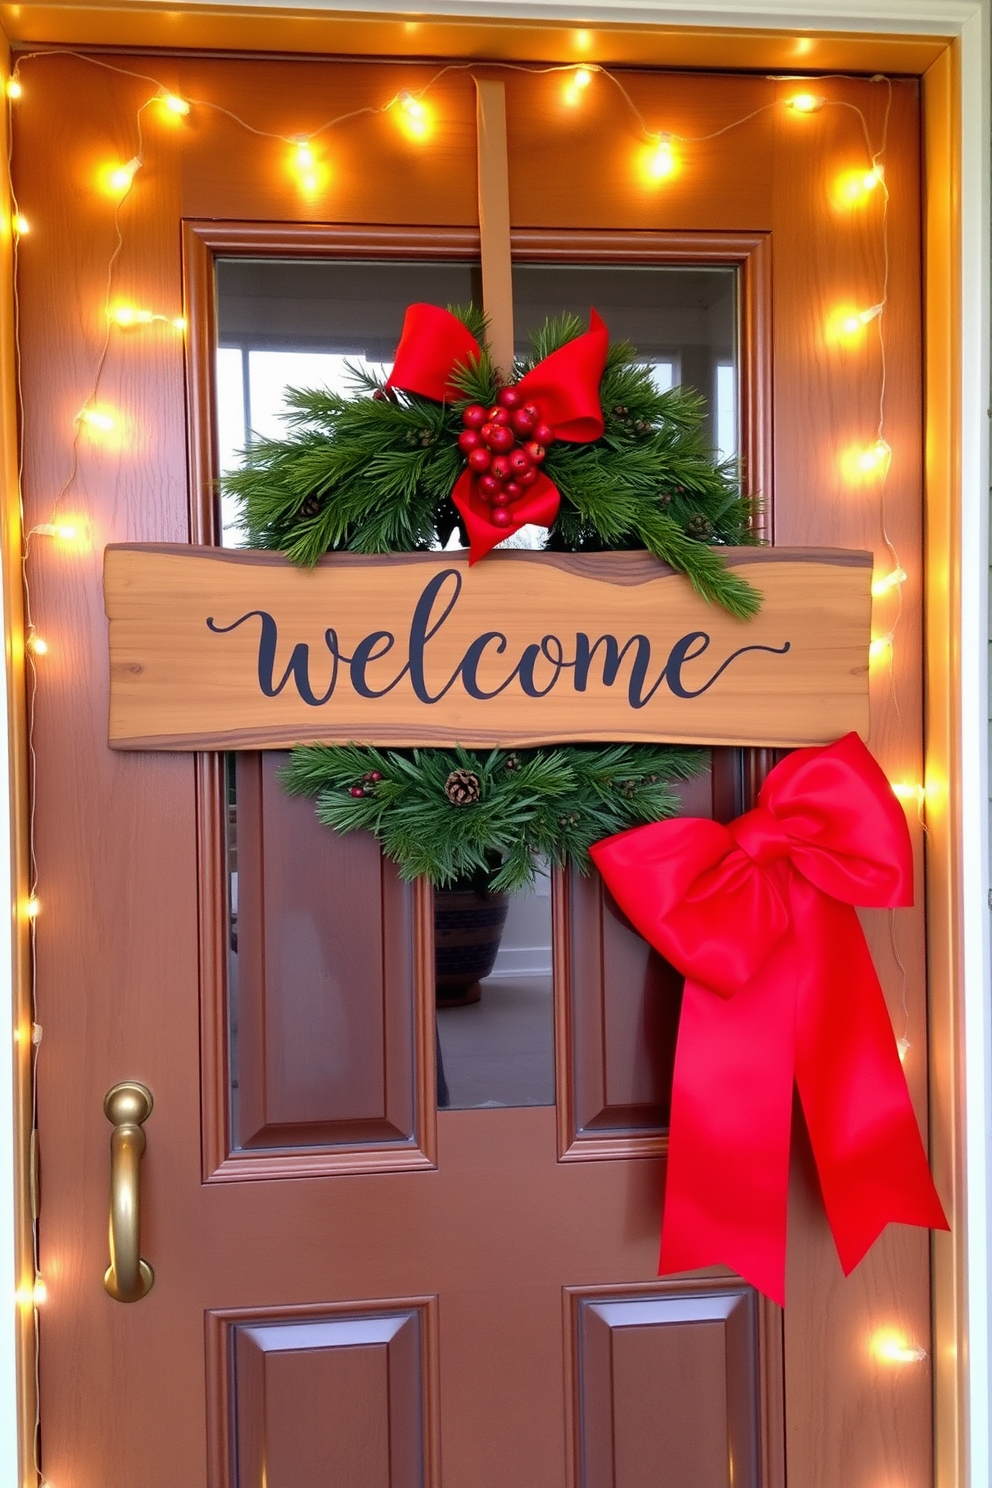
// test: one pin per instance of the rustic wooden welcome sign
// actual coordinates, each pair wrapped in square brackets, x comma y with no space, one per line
[220,649]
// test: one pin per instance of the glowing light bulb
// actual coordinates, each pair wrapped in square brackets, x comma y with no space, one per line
[178,322]
[63,530]
[310,172]
[414,117]
[126,316]
[120,178]
[847,324]
[32,1294]
[20,224]
[661,159]
[33,908]
[853,187]
[865,461]
[891,1347]
[411,106]
[903,1047]
[98,419]
[888,582]
[12,88]
[880,648]
[806,103]
[875,455]
[174,104]
[907,791]
[576,84]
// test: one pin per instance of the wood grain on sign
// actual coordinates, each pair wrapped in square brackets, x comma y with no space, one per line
[236,650]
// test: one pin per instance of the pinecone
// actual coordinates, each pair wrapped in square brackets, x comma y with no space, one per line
[641,426]
[426,438]
[699,526]
[512,762]
[664,498]
[462,788]
[620,411]
[310,507]
[569,819]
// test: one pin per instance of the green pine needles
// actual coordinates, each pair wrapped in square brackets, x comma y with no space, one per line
[461,816]
[374,473]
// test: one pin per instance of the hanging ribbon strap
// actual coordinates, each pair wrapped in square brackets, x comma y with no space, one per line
[780,987]
[564,387]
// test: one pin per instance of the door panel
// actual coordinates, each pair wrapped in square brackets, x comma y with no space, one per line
[518,1247]
[644,1361]
[333,1397]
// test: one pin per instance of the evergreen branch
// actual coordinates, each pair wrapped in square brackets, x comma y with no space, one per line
[550,803]
[374,474]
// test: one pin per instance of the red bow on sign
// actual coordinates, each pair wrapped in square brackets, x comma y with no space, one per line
[780,986]
[502,488]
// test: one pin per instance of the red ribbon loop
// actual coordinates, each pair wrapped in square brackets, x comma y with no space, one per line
[433,343]
[564,386]
[780,989]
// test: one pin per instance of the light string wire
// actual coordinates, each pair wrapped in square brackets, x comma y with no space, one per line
[31,678]
[162,93]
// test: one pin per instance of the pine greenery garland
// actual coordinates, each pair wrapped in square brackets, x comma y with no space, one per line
[374,473]
[520,804]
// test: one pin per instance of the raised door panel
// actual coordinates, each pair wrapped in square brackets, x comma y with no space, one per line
[667,1388]
[304,1399]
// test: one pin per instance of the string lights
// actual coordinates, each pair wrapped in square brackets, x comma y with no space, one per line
[806,103]
[120,178]
[413,115]
[661,158]
[130,316]
[576,85]
[891,1347]
[662,155]
[174,104]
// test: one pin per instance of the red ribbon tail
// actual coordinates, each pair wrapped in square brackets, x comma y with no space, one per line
[726,1193]
[869,1155]
[539,506]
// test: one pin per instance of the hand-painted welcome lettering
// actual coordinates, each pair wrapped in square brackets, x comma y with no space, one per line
[539,668]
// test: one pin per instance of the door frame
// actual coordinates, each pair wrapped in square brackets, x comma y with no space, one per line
[946,44]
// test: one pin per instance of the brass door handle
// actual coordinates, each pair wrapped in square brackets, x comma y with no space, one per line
[128,1278]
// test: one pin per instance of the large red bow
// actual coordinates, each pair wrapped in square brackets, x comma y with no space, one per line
[565,387]
[780,985]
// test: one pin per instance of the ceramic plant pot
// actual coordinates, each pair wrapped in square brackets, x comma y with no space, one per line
[467,929]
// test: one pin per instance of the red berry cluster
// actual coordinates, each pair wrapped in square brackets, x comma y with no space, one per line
[504,446]
[371,777]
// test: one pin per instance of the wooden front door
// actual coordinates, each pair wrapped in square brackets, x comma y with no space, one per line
[352,1287]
